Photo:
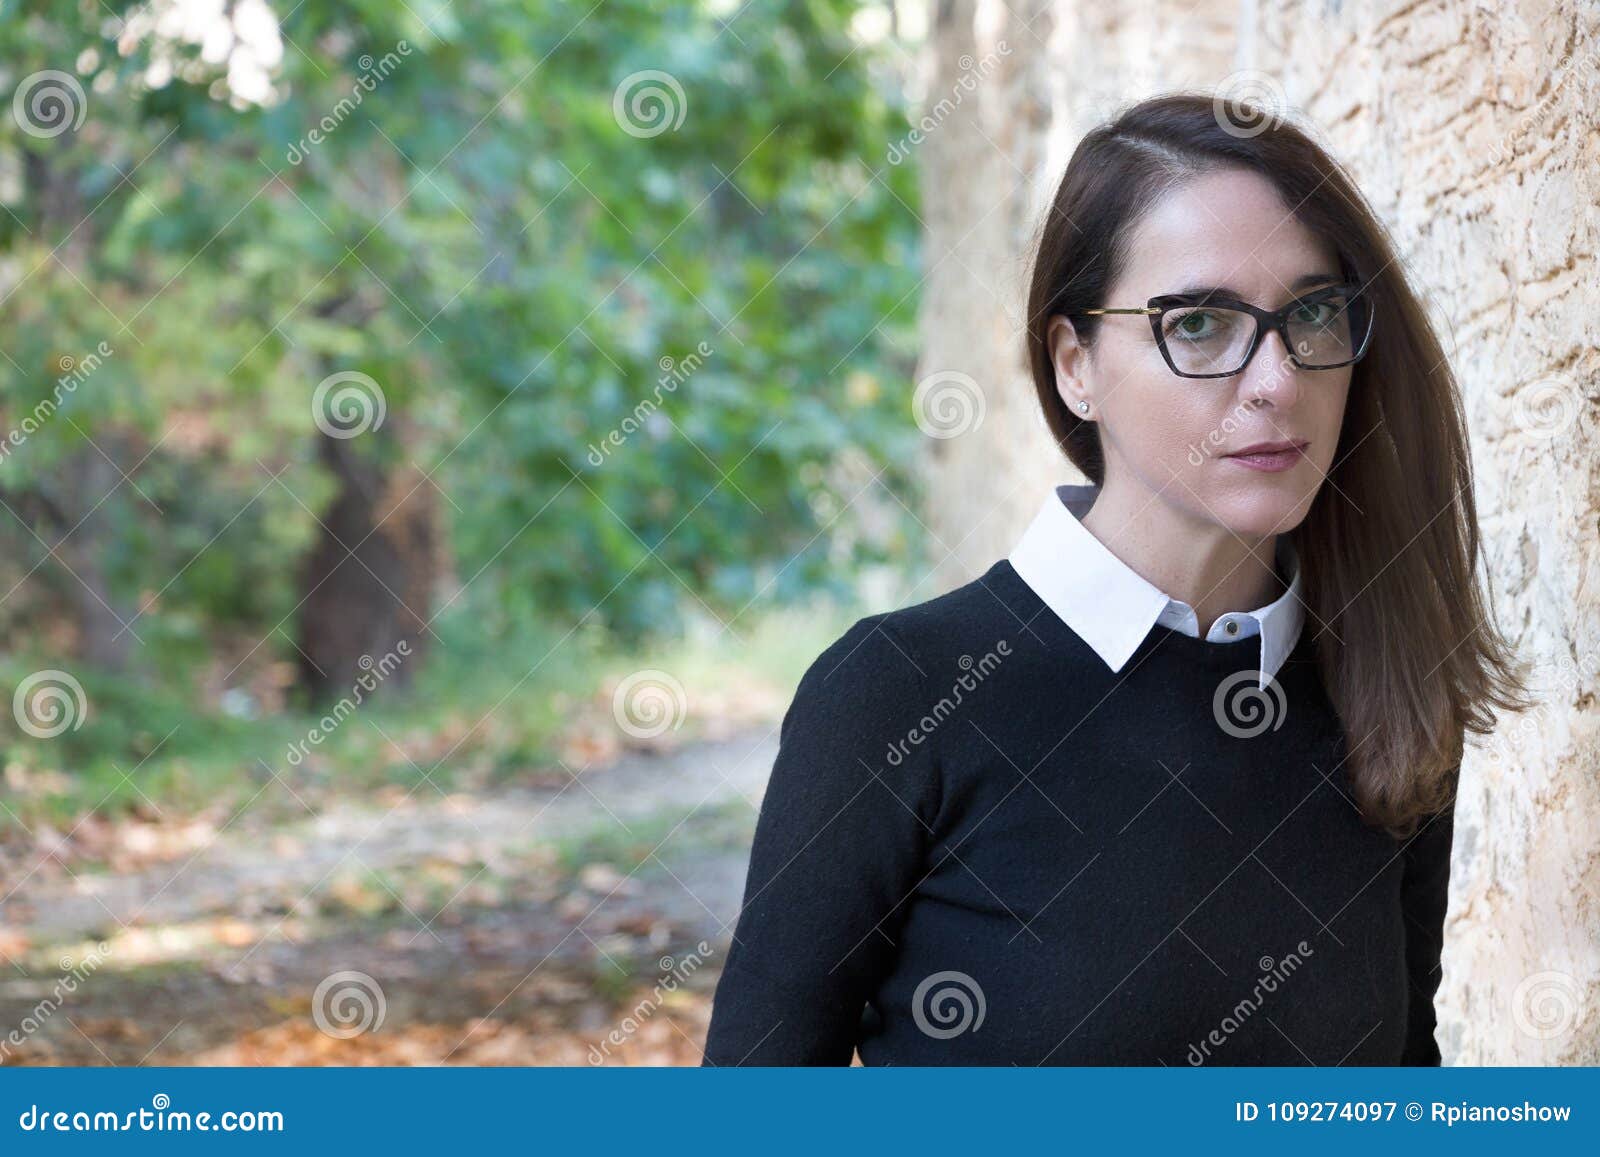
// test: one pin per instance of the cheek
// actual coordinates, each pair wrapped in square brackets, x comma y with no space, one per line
[1157,419]
[1330,409]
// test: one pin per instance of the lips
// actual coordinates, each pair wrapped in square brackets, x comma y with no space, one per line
[1269,457]
[1260,448]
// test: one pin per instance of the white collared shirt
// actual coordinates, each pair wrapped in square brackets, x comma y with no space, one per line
[1112,607]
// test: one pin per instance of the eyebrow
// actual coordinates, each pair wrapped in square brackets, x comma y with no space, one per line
[1305,281]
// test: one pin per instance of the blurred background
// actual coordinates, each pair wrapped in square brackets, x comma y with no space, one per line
[437,436]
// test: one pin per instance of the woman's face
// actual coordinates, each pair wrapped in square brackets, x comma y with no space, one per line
[1171,437]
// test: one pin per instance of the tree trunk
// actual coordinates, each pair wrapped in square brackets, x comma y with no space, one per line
[367,583]
[1474,133]
[88,479]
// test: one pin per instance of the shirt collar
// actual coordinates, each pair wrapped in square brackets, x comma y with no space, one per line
[1112,607]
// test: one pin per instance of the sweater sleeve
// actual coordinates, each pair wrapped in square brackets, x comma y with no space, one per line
[839,845]
[1424,898]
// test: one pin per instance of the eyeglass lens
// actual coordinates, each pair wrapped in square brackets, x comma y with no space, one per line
[1211,339]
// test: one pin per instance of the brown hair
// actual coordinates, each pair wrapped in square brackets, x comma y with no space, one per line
[1406,649]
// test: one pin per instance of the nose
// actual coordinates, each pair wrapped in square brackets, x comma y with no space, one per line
[1271,376]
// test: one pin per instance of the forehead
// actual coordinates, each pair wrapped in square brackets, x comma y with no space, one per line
[1228,228]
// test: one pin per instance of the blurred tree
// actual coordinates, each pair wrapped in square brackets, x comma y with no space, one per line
[615,289]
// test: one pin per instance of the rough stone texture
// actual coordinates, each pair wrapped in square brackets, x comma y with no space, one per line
[1474,130]
[995,454]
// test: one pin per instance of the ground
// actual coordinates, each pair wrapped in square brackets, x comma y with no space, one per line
[552,919]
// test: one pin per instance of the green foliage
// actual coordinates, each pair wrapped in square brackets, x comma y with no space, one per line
[478,230]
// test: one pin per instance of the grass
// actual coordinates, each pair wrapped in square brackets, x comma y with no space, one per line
[483,712]
[714,826]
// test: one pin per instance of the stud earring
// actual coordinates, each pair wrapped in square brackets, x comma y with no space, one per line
[1083,407]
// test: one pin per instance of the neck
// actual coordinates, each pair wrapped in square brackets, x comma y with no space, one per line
[1198,561]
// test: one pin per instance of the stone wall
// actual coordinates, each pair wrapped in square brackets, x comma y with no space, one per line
[1474,130]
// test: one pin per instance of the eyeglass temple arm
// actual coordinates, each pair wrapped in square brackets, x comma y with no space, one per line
[1146,310]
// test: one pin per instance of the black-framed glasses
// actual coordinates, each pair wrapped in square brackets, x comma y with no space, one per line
[1214,336]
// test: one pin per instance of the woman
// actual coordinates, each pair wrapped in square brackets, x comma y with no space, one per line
[1087,808]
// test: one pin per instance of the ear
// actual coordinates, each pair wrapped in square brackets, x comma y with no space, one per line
[1069,356]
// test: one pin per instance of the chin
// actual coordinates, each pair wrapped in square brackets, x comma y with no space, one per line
[1264,509]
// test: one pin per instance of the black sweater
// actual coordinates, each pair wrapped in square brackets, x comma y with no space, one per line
[979,846]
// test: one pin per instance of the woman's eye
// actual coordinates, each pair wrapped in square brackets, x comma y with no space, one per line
[1199,323]
[1316,313]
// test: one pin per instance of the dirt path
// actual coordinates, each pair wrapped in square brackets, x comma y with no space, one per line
[506,926]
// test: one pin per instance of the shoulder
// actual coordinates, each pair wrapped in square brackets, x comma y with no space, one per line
[1429,847]
[987,611]
[853,733]
[871,661]
[886,663]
